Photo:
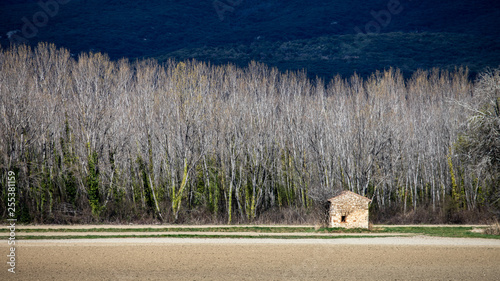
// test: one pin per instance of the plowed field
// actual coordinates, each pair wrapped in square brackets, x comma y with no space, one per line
[387,258]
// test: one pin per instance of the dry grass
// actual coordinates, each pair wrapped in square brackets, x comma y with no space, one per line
[370,226]
[494,229]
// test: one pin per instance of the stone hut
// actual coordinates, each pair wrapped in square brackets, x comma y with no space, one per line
[349,210]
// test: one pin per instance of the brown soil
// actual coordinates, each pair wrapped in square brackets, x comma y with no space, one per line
[393,258]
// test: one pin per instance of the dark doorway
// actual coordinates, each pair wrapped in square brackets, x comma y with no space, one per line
[343,219]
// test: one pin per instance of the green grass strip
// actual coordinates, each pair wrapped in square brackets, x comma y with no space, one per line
[257,229]
[453,232]
[178,229]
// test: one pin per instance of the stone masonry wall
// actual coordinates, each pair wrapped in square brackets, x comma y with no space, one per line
[349,210]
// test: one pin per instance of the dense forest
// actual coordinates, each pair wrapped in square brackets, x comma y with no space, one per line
[96,140]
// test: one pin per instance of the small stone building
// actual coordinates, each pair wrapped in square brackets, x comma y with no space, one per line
[349,210]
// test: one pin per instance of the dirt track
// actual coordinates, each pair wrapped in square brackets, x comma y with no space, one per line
[140,226]
[422,258]
[201,234]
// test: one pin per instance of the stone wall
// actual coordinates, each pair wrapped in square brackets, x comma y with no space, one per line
[349,210]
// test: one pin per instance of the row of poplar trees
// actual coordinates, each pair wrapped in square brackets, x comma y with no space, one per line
[92,139]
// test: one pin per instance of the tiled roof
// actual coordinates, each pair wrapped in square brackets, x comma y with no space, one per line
[348,193]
